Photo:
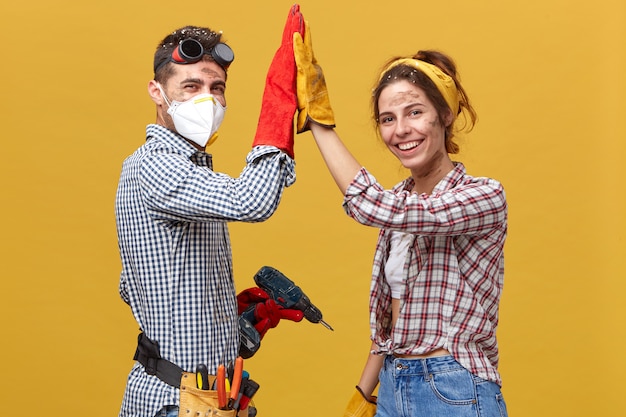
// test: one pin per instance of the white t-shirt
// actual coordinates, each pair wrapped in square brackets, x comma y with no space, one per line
[394,268]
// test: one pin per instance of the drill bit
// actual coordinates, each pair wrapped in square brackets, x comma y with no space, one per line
[323,323]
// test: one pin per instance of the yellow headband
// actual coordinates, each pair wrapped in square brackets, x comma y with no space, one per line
[445,83]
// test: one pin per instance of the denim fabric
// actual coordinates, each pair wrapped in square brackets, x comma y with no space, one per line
[437,386]
[168,411]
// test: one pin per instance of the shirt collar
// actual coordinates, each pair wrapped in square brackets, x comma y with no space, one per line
[171,138]
[449,181]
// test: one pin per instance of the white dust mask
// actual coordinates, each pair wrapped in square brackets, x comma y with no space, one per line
[198,118]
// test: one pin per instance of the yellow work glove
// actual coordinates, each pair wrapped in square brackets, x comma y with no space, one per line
[313,101]
[360,406]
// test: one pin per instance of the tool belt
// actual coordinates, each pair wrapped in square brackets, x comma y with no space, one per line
[149,356]
[193,401]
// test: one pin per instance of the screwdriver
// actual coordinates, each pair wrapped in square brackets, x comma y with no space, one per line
[202,377]
[249,390]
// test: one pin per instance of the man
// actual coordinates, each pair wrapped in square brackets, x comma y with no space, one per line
[172,211]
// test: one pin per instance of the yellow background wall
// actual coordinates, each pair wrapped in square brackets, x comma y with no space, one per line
[546,76]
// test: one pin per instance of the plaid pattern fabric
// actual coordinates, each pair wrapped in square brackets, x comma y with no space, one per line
[454,272]
[172,211]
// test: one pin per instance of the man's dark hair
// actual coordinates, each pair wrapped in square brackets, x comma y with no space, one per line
[163,53]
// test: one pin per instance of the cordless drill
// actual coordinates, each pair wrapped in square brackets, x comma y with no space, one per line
[287,294]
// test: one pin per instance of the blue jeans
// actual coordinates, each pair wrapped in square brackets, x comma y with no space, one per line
[437,386]
[168,411]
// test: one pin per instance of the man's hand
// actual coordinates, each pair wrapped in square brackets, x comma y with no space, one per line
[262,311]
[279,104]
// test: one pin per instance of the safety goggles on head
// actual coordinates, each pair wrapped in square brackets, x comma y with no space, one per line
[190,51]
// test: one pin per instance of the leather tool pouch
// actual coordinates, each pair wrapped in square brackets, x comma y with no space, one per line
[195,402]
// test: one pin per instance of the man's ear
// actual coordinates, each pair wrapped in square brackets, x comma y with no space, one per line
[155,93]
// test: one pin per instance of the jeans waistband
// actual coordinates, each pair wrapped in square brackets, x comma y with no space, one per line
[422,366]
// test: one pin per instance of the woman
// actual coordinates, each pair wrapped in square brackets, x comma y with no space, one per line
[438,267]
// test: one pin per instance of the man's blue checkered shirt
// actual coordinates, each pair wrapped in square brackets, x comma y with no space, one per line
[172,211]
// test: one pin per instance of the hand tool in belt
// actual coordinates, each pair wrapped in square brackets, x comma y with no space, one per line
[236,382]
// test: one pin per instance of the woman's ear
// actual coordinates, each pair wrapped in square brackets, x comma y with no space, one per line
[155,93]
[448,119]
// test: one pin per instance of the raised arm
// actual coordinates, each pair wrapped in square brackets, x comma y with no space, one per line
[316,114]
[342,165]
[275,126]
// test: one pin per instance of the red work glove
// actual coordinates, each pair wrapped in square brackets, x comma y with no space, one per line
[262,311]
[279,103]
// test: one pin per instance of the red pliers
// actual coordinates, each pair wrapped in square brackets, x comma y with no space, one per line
[235,384]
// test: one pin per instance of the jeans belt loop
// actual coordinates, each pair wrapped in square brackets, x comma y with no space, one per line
[427,374]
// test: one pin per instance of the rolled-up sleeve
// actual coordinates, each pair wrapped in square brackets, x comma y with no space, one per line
[174,188]
[458,205]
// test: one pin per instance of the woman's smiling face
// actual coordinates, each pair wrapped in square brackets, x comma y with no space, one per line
[411,129]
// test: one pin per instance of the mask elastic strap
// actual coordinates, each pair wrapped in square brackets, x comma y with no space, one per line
[164,96]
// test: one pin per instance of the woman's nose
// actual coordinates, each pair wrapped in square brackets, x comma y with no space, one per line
[402,127]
